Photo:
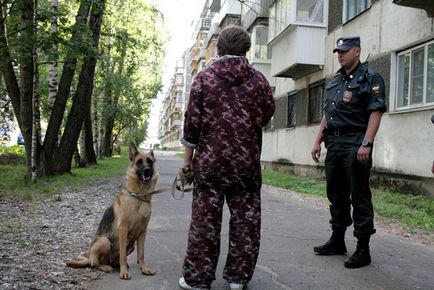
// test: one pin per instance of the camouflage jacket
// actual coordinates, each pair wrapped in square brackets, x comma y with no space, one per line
[229,104]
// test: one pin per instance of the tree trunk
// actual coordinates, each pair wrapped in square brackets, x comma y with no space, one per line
[27,74]
[95,120]
[108,137]
[107,115]
[36,129]
[6,66]
[88,140]
[108,141]
[52,67]
[51,137]
[82,99]
[82,147]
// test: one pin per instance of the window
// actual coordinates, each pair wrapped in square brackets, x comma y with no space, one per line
[415,81]
[316,102]
[179,97]
[270,125]
[259,48]
[290,122]
[310,11]
[352,8]
[280,16]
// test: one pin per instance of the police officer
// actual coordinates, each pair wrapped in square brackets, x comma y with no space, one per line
[354,105]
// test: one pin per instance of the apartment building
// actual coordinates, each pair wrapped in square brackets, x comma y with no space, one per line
[172,109]
[292,43]
[397,41]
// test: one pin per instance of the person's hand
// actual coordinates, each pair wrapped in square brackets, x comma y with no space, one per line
[316,152]
[187,163]
[432,168]
[363,154]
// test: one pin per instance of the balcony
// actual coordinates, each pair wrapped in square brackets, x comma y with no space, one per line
[298,51]
[230,7]
[260,54]
[200,55]
[427,5]
[254,11]
[175,124]
[297,32]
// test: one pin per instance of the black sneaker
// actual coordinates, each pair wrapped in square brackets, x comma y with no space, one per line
[331,247]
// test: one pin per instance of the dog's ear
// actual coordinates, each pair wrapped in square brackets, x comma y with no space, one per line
[152,155]
[133,151]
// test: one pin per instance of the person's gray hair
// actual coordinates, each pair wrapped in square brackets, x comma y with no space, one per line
[233,40]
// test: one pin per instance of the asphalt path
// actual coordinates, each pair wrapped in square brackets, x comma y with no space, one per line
[291,227]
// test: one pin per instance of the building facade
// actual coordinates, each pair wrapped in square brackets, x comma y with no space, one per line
[292,43]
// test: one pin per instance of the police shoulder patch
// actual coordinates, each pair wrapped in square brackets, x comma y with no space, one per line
[376,89]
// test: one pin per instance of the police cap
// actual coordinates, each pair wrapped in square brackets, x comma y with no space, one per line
[346,43]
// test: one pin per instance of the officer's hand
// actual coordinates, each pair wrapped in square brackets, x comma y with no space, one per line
[432,168]
[363,154]
[316,152]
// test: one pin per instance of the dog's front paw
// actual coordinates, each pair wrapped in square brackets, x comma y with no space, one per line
[148,271]
[105,268]
[125,275]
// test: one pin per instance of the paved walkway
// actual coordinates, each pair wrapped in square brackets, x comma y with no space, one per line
[291,227]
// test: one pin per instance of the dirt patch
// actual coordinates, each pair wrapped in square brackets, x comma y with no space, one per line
[39,236]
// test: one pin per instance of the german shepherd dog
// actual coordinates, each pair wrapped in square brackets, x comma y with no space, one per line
[125,221]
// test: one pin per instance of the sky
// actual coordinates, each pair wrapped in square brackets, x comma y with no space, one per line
[178,16]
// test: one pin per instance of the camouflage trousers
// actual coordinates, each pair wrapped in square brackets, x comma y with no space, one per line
[204,235]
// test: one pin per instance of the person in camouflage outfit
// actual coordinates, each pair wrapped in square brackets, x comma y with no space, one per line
[229,104]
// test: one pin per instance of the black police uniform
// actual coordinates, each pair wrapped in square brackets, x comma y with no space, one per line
[350,98]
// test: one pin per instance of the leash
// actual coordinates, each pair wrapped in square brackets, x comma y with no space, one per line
[184,176]
[141,197]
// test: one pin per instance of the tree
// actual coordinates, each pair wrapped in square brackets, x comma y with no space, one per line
[91,99]
[132,62]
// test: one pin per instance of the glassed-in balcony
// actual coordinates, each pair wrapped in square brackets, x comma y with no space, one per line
[230,7]
[297,34]
[259,54]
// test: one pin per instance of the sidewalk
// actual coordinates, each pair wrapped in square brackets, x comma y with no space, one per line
[291,227]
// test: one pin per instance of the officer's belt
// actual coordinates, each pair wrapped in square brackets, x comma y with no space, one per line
[343,131]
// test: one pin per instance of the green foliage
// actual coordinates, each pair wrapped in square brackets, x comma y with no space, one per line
[411,212]
[13,182]
[298,184]
[130,39]
[131,63]
[16,150]
[417,212]
[137,135]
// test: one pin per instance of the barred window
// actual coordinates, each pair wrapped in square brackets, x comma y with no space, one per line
[316,102]
[290,122]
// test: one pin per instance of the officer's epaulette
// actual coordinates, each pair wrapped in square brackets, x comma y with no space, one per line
[367,73]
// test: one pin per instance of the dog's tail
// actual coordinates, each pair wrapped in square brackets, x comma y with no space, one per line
[80,262]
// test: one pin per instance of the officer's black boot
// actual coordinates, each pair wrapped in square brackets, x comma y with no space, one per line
[361,256]
[335,245]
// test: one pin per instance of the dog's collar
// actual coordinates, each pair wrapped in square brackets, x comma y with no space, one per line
[133,194]
[141,197]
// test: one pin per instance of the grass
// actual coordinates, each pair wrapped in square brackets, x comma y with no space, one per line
[414,213]
[13,182]
[294,183]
